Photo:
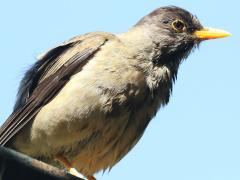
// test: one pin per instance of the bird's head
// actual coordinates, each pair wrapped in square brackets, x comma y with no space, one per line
[176,32]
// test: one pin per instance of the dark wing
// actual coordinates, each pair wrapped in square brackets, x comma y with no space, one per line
[46,78]
[33,75]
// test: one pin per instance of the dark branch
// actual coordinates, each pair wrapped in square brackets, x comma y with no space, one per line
[16,166]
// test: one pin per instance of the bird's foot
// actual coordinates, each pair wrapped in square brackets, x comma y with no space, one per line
[91,178]
[74,172]
[70,168]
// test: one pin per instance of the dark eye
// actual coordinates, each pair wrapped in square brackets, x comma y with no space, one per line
[178,25]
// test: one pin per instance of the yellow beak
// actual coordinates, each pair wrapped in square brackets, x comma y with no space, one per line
[210,33]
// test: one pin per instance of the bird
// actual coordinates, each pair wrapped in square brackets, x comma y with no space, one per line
[84,104]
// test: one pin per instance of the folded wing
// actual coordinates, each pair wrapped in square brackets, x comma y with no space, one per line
[47,77]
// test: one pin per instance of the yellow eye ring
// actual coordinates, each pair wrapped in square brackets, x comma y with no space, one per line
[178,25]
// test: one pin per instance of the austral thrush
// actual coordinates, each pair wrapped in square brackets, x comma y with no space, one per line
[88,101]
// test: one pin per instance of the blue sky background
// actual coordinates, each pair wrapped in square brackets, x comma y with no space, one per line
[196,136]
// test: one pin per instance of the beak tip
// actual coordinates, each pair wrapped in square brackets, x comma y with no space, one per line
[228,34]
[225,33]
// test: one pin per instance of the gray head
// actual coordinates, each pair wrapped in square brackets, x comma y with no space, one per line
[176,32]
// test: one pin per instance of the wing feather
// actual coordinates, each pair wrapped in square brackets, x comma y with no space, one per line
[37,90]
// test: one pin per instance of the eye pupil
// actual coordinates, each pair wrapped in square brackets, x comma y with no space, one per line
[178,25]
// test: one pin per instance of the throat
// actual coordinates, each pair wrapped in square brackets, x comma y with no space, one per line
[160,81]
